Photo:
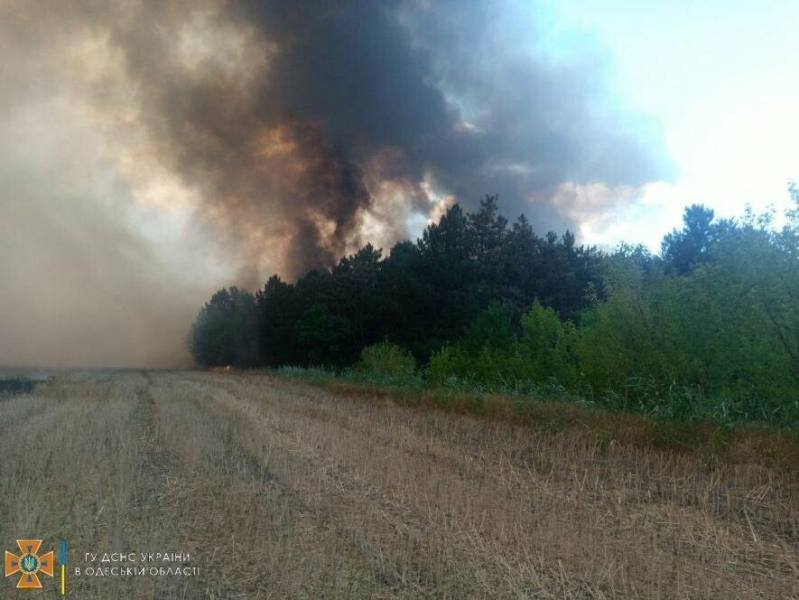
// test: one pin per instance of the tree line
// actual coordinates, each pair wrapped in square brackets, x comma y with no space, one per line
[710,321]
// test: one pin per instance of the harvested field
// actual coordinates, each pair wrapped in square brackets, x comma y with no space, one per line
[276,489]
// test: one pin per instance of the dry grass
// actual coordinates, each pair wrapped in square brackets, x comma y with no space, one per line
[281,490]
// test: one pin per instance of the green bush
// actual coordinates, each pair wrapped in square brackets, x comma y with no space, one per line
[386,359]
[489,366]
[492,329]
[490,353]
[443,364]
[547,346]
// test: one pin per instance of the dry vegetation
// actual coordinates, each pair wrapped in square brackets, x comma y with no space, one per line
[282,490]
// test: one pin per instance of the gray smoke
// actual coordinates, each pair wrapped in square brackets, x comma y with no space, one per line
[154,151]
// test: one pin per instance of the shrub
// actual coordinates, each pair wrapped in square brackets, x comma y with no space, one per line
[386,359]
[443,365]
[547,344]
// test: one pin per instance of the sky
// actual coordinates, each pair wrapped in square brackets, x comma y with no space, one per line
[153,152]
[721,80]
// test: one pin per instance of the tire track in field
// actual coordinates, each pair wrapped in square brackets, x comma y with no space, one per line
[155,461]
[80,487]
[138,498]
[256,538]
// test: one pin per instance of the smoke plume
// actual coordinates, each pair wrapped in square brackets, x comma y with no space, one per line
[156,150]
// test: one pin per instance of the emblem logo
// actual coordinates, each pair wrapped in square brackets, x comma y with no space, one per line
[29,564]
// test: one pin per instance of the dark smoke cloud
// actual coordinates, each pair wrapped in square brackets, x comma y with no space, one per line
[157,150]
[457,86]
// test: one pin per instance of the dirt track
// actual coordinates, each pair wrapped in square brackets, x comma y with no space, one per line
[279,490]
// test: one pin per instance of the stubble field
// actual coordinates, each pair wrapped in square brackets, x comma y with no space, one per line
[276,489]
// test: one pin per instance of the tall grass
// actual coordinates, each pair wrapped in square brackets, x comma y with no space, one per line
[643,396]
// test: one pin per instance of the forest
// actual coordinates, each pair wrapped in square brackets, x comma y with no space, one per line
[708,329]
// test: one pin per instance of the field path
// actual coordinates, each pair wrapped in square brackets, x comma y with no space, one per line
[281,490]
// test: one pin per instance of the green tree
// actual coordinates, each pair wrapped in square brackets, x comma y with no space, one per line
[405,301]
[448,272]
[324,336]
[278,309]
[225,330]
[355,295]
[685,249]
